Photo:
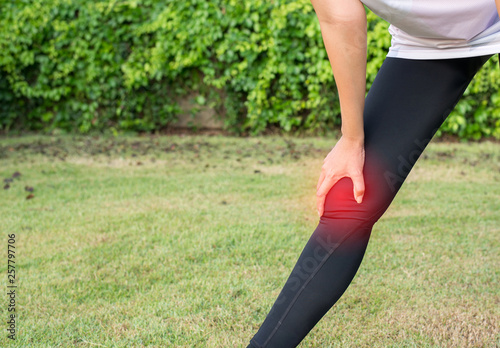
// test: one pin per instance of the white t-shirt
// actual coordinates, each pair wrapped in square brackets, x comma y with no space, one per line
[435,29]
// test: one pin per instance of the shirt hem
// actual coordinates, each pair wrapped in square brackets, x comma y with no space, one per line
[445,54]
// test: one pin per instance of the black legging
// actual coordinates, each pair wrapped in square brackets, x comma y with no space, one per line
[407,103]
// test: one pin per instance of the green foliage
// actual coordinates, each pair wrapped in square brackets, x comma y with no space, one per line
[60,65]
[124,65]
[477,114]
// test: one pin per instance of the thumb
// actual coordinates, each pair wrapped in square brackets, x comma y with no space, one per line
[358,187]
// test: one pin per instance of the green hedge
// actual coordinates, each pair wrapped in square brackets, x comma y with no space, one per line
[123,65]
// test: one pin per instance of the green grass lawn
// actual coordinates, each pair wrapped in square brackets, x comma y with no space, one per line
[185,241]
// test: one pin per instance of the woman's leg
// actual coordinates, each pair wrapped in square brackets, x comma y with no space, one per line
[407,103]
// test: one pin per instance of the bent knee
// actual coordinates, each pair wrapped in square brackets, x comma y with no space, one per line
[340,204]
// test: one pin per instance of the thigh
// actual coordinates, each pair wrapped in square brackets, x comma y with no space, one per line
[406,105]
[410,99]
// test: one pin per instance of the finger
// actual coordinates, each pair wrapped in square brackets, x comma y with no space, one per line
[323,190]
[358,187]
[320,181]
[320,203]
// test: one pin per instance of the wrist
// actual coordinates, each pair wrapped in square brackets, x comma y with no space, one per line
[354,138]
[353,131]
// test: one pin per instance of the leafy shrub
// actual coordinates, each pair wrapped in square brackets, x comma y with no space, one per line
[123,65]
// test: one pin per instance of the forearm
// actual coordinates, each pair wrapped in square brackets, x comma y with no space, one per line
[343,27]
[498,6]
